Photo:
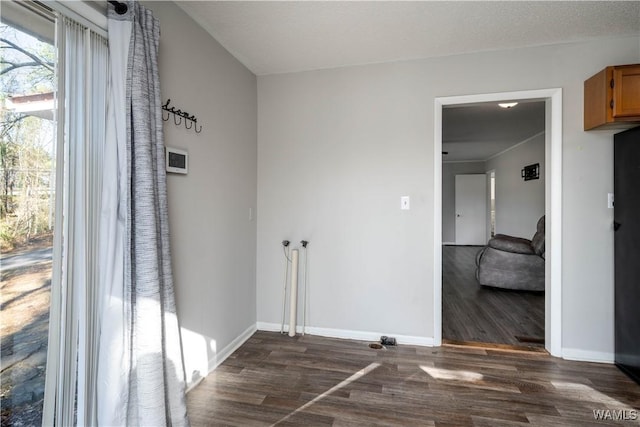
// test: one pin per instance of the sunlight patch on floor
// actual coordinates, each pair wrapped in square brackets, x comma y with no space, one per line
[586,393]
[355,377]
[451,374]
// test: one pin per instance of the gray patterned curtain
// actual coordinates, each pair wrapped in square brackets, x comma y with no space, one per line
[144,339]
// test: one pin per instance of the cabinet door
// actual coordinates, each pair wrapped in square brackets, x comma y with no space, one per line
[626,91]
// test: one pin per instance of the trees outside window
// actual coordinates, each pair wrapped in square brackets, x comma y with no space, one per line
[27,193]
[27,137]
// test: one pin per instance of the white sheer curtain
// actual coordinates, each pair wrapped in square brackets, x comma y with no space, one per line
[72,358]
[113,365]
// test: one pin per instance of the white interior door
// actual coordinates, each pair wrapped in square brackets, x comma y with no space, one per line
[471,209]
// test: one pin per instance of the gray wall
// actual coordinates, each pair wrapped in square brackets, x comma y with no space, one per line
[449,172]
[337,148]
[213,240]
[519,203]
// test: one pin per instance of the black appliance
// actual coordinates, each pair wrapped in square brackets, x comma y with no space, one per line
[627,251]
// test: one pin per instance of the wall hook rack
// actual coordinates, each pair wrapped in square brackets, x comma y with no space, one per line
[190,121]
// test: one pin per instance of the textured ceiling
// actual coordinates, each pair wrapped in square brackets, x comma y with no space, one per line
[480,131]
[271,37]
[280,37]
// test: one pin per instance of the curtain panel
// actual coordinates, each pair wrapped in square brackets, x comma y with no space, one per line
[141,373]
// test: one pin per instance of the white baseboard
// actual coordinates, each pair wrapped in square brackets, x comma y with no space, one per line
[348,334]
[587,356]
[449,243]
[223,354]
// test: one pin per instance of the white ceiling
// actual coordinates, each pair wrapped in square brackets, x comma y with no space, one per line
[481,131]
[280,37]
[271,37]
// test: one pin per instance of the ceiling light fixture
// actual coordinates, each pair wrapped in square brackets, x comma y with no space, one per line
[507,104]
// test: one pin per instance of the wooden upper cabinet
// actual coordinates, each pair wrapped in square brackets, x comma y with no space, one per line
[612,98]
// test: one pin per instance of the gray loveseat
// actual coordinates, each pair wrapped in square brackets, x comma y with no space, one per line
[513,262]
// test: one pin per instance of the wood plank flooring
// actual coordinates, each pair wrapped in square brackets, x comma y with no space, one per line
[475,313]
[308,380]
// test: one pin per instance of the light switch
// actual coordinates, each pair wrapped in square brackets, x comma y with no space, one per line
[610,200]
[405,203]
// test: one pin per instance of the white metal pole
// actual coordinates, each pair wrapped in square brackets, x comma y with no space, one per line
[306,299]
[284,290]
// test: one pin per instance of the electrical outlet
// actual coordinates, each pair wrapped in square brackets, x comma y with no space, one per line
[405,203]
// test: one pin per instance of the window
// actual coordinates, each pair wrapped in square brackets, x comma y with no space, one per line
[27,206]
[53,131]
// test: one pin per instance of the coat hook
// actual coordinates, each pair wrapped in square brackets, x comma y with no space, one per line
[179,115]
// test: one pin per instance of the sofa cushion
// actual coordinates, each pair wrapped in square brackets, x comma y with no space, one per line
[511,244]
[506,270]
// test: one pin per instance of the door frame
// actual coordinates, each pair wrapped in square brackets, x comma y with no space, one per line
[553,206]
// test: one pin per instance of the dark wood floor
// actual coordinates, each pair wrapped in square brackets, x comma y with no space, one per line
[276,380]
[475,313]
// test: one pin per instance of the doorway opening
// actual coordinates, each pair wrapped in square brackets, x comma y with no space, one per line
[493,295]
[552,172]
